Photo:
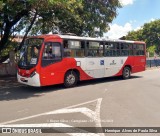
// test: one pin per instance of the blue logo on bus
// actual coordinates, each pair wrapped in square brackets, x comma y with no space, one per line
[102,62]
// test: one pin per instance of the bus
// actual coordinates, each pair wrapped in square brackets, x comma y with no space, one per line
[66,59]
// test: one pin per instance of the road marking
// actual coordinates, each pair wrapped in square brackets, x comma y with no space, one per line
[45,113]
[94,115]
[83,110]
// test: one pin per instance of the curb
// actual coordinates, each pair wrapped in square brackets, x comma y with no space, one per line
[151,68]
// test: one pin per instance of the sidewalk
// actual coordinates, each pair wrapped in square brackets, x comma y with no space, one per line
[150,68]
[8,81]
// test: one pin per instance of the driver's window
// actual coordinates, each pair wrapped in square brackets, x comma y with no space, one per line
[51,53]
[47,53]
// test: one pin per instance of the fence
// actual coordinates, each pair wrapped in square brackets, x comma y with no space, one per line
[153,62]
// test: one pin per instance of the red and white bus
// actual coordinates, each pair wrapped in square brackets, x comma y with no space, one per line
[56,59]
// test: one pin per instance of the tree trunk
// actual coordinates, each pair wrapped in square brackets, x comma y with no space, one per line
[29,28]
[5,37]
[8,27]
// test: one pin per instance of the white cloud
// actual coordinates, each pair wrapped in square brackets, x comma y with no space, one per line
[138,28]
[117,31]
[153,19]
[126,2]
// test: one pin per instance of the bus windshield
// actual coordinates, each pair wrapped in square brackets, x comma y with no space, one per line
[29,53]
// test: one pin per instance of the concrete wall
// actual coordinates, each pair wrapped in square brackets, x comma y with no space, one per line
[10,67]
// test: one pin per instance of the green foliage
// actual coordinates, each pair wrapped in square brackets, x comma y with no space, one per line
[42,16]
[151,50]
[135,35]
[77,16]
[10,46]
[150,33]
[1,6]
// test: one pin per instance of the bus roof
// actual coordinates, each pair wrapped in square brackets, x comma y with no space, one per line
[87,38]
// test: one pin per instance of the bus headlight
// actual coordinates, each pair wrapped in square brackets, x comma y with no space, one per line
[33,73]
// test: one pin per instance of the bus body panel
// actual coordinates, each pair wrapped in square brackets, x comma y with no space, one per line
[139,64]
[95,67]
[114,65]
[102,66]
[54,73]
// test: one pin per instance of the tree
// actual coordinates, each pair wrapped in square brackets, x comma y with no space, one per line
[135,35]
[151,50]
[42,16]
[150,33]
[98,14]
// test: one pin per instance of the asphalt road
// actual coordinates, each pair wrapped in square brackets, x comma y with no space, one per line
[109,102]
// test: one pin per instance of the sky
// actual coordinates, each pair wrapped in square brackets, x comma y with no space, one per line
[133,15]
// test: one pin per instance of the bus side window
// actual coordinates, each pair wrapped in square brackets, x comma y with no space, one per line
[65,45]
[82,44]
[47,50]
[138,49]
[67,51]
[125,49]
[110,49]
[74,48]
[94,49]
[106,47]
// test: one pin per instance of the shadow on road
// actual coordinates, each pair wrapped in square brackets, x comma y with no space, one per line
[104,80]
[10,89]
[16,91]
[25,92]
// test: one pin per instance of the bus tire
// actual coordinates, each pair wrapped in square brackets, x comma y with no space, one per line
[70,79]
[126,73]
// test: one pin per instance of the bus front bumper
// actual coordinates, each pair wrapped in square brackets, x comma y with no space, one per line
[31,81]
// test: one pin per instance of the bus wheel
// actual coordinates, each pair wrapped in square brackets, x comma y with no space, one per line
[126,73]
[70,79]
